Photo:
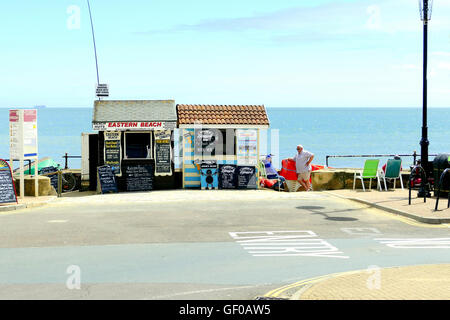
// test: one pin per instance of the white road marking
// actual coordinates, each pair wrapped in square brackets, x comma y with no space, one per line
[203,291]
[285,244]
[361,231]
[416,243]
[57,221]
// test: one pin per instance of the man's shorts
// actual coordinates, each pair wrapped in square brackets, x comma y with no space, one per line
[304,175]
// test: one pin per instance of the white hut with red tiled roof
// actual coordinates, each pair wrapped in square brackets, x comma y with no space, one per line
[221,134]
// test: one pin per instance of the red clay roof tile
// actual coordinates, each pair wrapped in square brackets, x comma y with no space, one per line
[222,114]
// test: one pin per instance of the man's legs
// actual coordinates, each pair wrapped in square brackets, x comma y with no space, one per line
[303,179]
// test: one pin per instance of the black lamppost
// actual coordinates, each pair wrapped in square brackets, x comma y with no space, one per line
[425,7]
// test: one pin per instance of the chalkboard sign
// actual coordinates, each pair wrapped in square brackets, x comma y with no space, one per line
[246,177]
[227,176]
[7,188]
[52,173]
[107,179]
[139,177]
[163,153]
[112,150]
[207,141]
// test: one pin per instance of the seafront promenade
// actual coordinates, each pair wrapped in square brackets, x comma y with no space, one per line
[394,202]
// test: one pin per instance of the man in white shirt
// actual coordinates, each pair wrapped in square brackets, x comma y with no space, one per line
[303,161]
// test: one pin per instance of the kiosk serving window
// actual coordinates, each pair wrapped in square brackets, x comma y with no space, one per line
[138,145]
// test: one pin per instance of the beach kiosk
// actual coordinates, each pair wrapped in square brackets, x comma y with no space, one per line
[135,140]
[221,145]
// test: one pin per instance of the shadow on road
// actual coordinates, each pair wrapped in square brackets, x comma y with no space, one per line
[316,210]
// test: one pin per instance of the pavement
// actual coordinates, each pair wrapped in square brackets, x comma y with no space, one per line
[418,282]
[396,202]
[27,202]
[423,282]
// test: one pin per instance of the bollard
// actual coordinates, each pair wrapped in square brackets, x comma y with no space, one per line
[59,183]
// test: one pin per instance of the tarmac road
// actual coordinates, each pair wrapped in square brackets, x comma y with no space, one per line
[124,247]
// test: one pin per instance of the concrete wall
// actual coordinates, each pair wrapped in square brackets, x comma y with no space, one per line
[44,185]
[334,179]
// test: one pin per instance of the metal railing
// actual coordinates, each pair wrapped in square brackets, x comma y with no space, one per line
[67,157]
[29,164]
[414,156]
[423,178]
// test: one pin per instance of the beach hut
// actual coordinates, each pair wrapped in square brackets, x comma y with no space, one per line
[221,144]
[135,138]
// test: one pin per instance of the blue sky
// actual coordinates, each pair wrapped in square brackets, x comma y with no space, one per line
[320,53]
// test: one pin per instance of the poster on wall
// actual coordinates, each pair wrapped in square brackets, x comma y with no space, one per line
[209,177]
[163,153]
[113,150]
[247,147]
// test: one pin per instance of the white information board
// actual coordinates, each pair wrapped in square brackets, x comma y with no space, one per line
[23,142]
[247,146]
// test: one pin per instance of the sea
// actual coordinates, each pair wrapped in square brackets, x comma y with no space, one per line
[322,131]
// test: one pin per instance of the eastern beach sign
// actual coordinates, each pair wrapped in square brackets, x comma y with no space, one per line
[7,188]
[133,125]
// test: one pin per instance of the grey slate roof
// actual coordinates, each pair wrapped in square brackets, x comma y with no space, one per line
[134,110]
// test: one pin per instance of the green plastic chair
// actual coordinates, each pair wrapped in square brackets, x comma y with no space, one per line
[370,171]
[393,172]
[262,169]
[263,173]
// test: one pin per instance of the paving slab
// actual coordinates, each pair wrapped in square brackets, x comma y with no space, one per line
[425,282]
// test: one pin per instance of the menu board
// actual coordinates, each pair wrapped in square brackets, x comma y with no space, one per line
[246,177]
[139,177]
[227,176]
[7,188]
[206,141]
[107,179]
[113,150]
[163,153]
[52,173]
